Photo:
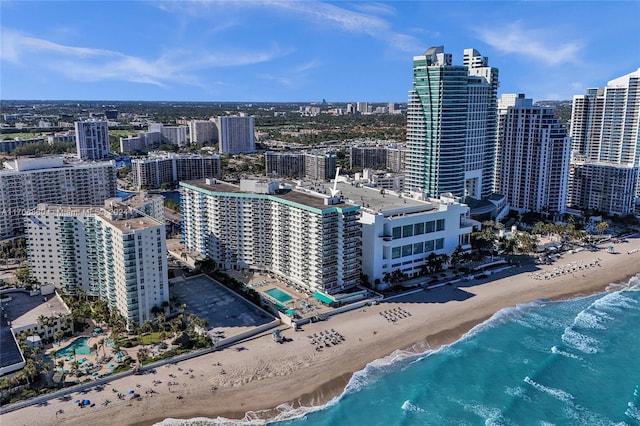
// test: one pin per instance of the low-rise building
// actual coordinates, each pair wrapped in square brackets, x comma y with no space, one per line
[400,232]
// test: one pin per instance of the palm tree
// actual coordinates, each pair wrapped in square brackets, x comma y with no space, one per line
[94,348]
[601,227]
[444,258]
[29,370]
[45,322]
[161,318]
[432,261]
[146,327]
[101,344]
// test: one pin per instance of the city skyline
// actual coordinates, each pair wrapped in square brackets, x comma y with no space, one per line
[303,51]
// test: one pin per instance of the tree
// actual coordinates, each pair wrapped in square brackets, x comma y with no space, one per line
[29,371]
[601,227]
[44,322]
[146,327]
[23,275]
[432,262]
[456,256]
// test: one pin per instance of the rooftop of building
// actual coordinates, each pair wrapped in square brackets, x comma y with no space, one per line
[139,199]
[125,223]
[304,197]
[23,310]
[380,200]
[48,163]
[116,213]
[162,155]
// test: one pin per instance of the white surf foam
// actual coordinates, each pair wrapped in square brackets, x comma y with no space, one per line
[556,393]
[491,415]
[586,319]
[582,342]
[518,392]
[408,406]
[503,316]
[555,350]
[633,412]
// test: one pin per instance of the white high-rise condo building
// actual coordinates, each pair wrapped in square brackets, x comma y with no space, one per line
[451,125]
[115,253]
[605,127]
[202,132]
[26,183]
[532,156]
[157,169]
[305,239]
[92,140]
[236,134]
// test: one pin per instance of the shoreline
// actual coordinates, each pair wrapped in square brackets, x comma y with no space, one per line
[336,387]
[264,375]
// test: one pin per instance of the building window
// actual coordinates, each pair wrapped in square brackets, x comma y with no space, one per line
[395,252]
[407,250]
[428,246]
[397,232]
[430,227]
[407,231]
[419,228]
[440,225]
[418,248]
[439,243]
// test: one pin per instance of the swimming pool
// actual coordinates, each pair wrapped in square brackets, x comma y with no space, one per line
[279,295]
[80,345]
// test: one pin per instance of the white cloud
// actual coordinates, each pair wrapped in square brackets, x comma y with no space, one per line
[90,64]
[359,21]
[541,45]
[375,8]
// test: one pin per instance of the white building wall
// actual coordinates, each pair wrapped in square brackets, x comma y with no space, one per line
[312,248]
[92,140]
[385,251]
[27,183]
[236,135]
[86,248]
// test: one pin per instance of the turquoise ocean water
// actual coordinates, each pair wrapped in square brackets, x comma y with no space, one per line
[573,362]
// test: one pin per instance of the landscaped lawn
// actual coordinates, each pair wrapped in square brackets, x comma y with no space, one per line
[148,339]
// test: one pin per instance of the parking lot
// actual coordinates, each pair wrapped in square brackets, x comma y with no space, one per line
[227,313]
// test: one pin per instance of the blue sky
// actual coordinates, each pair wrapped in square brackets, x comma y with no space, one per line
[303,51]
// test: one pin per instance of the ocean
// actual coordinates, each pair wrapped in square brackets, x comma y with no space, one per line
[574,362]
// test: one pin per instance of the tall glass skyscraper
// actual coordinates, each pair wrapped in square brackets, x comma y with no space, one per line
[451,125]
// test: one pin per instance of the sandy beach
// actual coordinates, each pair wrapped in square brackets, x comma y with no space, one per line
[259,374]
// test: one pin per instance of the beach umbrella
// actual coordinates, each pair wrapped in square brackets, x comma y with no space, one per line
[131,392]
[86,402]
